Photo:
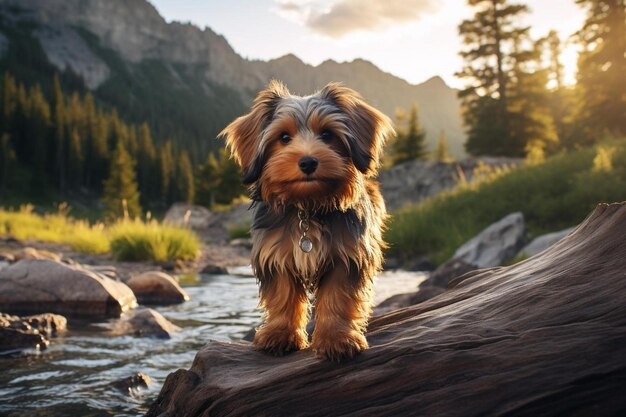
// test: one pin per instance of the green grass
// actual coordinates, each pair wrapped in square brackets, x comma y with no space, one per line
[131,240]
[135,240]
[553,195]
[24,224]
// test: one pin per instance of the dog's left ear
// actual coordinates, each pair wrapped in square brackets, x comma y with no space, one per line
[369,128]
[243,136]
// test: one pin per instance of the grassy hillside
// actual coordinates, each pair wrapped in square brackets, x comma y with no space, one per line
[553,195]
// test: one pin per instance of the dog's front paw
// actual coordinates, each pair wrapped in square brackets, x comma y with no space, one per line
[339,347]
[280,341]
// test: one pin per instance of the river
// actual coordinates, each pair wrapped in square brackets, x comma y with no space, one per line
[74,376]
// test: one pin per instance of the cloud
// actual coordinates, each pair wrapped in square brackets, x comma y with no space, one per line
[345,16]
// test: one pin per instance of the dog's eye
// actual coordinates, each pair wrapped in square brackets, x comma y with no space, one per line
[327,135]
[284,138]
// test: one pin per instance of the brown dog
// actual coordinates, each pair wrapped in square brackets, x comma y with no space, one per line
[319,217]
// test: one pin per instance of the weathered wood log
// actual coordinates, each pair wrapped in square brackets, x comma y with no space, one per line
[546,336]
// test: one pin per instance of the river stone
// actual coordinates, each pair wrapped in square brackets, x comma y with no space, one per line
[213,269]
[543,242]
[543,337]
[158,288]
[17,339]
[29,332]
[38,286]
[148,322]
[47,324]
[494,245]
[133,384]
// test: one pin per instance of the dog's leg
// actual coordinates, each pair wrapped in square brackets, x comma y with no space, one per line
[286,315]
[342,307]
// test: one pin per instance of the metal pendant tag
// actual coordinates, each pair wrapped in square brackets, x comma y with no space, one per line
[306,244]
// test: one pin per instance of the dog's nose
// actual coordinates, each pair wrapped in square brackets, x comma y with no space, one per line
[308,164]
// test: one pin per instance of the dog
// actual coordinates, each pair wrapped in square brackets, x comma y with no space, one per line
[309,163]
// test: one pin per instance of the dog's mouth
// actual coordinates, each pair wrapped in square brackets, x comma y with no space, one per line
[309,179]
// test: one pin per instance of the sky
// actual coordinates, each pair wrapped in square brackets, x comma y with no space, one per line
[412,39]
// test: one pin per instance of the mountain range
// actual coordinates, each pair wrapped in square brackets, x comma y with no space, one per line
[186,82]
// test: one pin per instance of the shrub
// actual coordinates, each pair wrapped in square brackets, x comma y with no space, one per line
[128,240]
[134,240]
[23,224]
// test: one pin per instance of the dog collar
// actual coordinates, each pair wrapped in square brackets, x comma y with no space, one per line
[306,244]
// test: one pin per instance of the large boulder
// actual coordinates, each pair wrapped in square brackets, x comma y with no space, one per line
[158,288]
[412,182]
[542,337]
[40,285]
[543,242]
[183,214]
[494,245]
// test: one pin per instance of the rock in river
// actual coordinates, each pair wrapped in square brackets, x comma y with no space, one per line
[542,337]
[149,322]
[29,332]
[155,287]
[40,285]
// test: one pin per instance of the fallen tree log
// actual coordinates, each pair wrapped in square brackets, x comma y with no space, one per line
[546,336]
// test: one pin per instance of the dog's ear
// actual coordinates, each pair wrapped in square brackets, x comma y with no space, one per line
[243,136]
[369,128]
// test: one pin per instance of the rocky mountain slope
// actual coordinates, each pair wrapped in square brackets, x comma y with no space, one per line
[185,81]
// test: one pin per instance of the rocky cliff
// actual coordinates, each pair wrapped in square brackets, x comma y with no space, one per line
[123,49]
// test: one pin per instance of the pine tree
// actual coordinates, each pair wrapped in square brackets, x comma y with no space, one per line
[531,124]
[230,185]
[166,171]
[442,153]
[59,132]
[409,143]
[34,136]
[184,178]
[146,165]
[489,36]
[121,197]
[75,158]
[7,162]
[207,180]
[602,66]
[9,95]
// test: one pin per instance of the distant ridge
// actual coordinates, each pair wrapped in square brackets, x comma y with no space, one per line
[188,82]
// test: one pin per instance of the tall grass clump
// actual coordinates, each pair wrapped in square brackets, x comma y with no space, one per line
[58,227]
[552,195]
[135,240]
[126,240]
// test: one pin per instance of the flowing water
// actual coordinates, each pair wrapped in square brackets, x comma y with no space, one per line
[73,376]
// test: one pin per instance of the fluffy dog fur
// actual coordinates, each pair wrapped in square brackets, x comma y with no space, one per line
[347,214]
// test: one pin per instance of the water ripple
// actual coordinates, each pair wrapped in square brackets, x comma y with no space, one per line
[74,376]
